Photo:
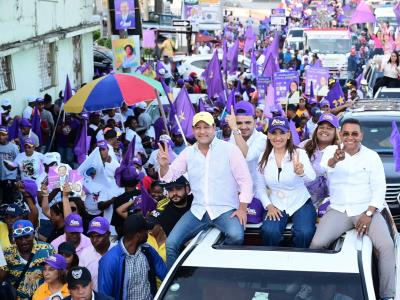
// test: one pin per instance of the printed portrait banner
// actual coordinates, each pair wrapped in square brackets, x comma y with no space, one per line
[319,77]
[126,52]
[282,82]
[262,85]
[124,14]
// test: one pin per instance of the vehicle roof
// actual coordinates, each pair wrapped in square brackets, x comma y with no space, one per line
[376,115]
[266,258]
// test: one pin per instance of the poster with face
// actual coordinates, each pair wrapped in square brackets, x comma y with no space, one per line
[126,52]
[124,14]
[284,84]
[319,77]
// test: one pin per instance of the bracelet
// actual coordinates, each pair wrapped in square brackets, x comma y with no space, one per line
[45,195]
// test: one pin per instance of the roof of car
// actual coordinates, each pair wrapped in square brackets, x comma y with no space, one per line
[205,254]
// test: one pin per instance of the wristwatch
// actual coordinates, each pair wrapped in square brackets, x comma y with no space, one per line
[369,213]
[236,132]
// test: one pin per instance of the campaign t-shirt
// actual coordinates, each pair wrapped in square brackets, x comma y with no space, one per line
[117,220]
[8,152]
[30,166]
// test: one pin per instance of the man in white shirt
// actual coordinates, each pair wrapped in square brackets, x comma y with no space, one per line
[357,186]
[251,142]
[217,172]
[203,49]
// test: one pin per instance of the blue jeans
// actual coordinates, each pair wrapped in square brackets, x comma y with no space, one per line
[302,231]
[188,226]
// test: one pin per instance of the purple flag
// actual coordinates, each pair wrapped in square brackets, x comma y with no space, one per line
[269,101]
[396,10]
[130,152]
[201,106]
[358,80]
[67,90]
[250,39]
[395,141]
[231,101]
[13,130]
[312,97]
[82,146]
[335,95]
[184,112]
[149,38]
[270,66]
[36,124]
[362,14]
[225,56]
[158,128]
[144,67]
[147,204]
[159,66]
[213,77]
[233,55]
[253,64]
[293,131]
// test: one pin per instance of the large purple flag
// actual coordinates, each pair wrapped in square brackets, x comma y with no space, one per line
[396,10]
[395,141]
[13,130]
[250,39]
[270,66]
[36,124]
[130,152]
[293,131]
[335,95]
[362,14]
[233,55]
[184,112]
[147,204]
[231,101]
[213,77]
[82,145]
[67,90]
[225,56]
[253,64]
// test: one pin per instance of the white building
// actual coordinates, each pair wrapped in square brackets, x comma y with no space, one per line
[41,41]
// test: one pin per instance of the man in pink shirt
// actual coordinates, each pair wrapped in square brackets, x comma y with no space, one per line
[73,233]
[99,233]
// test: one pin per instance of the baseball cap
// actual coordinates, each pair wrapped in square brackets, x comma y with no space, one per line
[30,187]
[110,133]
[102,144]
[316,112]
[255,212]
[39,100]
[203,116]
[78,275]
[52,157]
[25,123]
[73,223]
[180,182]
[278,123]
[56,261]
[66,248]
[142,105]
[180,81]
[292,107]
[135,223]
[330,118]
[99,225]
[244,108]
[29,142]
[6,102]
[14,210]
[31,99]
[23,228]
[137,161]
[324,103]
[3,130]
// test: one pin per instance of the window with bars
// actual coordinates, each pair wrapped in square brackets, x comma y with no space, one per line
[6,76]
[47,65]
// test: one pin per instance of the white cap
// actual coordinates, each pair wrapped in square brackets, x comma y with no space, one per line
[260,106]
[52,157]
[142,105]
[164,138]
[363,82]
[161,71]
[31,99]
[6,102]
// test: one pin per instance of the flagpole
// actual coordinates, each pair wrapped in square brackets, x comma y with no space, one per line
[162,113]
[55,126]
[181,130]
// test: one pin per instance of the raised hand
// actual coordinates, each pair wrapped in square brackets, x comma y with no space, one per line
[297,165]
[231,119]
[162,155]
[339,154]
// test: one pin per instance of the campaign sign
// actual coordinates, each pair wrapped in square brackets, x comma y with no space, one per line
[319,77]
[262,85]
[282,82]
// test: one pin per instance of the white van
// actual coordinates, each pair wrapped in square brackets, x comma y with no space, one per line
[295,39]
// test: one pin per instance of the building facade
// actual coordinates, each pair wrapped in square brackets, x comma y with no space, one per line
[41,42]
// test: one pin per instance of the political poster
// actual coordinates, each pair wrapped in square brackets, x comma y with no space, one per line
[319,77]
[282,82]
[262,85]
[124,14]
[126,52]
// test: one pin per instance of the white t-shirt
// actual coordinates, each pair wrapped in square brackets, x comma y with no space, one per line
[30,166]
[203,50]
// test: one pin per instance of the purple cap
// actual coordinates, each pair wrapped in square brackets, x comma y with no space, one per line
[323,208]
[102,144]
[73,223]
[278,123]
[330,118]
[29,141]
[39,100]
[3,130]
[25,123]
[31,188]
[180,81]
[324,102]
[137,161]
[56,261]
[244,108]
[99,225]
[255,212]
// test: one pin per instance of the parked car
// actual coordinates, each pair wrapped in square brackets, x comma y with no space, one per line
[376,121]
[387,93]
[103,59]
[372,73]
[208,269]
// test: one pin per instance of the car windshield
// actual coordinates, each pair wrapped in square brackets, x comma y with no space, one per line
[217,283]
[330,46]
[377,134]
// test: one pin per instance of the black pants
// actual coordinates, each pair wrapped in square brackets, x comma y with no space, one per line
[386,81]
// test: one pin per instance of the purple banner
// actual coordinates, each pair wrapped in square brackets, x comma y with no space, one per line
[319,77]
[282,81]
[124,14]
[262,85]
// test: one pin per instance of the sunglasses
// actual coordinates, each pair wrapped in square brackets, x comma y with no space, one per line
[353,134]
[24,230]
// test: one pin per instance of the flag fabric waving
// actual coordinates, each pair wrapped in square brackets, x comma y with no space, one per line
[362,14]
[213,77]
[335,96]
[185,112]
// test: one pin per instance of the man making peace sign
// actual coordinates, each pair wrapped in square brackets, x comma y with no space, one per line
[220,182]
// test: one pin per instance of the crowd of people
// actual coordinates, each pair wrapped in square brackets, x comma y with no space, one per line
[111,223]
